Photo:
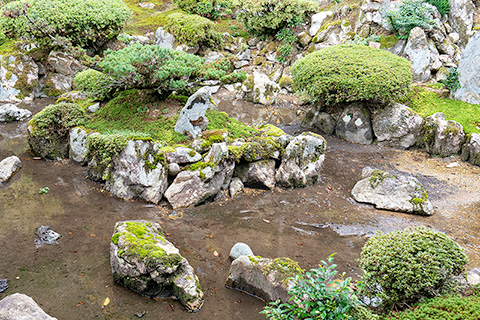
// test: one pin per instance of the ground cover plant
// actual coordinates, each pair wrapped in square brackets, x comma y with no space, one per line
[410,14]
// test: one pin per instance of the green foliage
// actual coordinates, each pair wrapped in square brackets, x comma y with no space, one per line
[403,267]
[262,17]
[44,190]
[95,83]
[193,30]
[284,52]
[82,23]
[212,9]
[410,14]
[349,72]
[317,294]
[451,82]
[443,6]
[286,35]
[235,128]
[444,308]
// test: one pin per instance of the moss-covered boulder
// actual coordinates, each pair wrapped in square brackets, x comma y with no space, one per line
[443,137]
[145,262]
[258,88]
[18,77]
[471,149]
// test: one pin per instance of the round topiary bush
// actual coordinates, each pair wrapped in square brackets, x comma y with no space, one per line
[94,83]
[350,72]
[403,267]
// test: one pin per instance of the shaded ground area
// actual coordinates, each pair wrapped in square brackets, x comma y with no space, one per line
[72,279]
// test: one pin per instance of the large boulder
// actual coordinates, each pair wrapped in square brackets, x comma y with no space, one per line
[302,161]
[78,145]
[63,63]
[138,173]
[471,149]
[19,306]
[8,167]
[398,126]
[354,124]
[469,72]
[443,137]
[258,88]
[163,39]
[318,20]
[145,262]
[266,278]
[10,112]
[192,120]
[392,192]
[461,16]
[55,84]
[257,174]
[18,77]
[422,52]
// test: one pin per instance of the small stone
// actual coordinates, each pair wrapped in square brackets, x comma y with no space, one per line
[240,249]
[8,167]
[10,112]
[236,187]
[46,236]
[19,306]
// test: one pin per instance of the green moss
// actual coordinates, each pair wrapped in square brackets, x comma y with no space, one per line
[377,176]
[284,269]
[201,165]
[8,47]
[115,238]
[235,128]
[285,81]
[388,41]
[272,131]
[8,75]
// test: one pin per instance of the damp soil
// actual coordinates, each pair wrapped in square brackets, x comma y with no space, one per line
[71,280]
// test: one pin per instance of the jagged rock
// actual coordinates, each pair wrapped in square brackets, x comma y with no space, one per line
[354,124]
[469,72]
[263,277]
[473,277]
[63,63]
[324,122]
[317,21]
[422,53]
[8,167]
[240,249]
[19,306]
[392,192]
[461,17]
[145,262]
[302,161]
[56,84]
[78,145]
[257,174]
[46,236]
[443,137]
[136,173]
[471,149]
[93,108]
[258,88]
[236,186]
[192,120]
[10,113]
[183,155]
[18,78]
[3,285]
[398,126]
[163,39]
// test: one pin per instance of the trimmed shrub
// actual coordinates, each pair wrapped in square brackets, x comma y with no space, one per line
[193,30]
[84,23]
[411,14]
[95,83]
[403,267]
[451,82]
[349,72]
[212,9]
[262,17]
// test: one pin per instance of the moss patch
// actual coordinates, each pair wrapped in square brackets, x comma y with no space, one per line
[284,269]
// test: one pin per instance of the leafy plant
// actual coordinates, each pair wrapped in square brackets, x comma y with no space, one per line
[286,35]
[44,190]
[348,72]
[403,267]
[451,82]
[410,14]
[284,52]
[443,6]
[212,9]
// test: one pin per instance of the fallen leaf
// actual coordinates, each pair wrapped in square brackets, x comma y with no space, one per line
[300,243]
[106,302]
[265,220]
[92,235]
[168,234]
[215,253]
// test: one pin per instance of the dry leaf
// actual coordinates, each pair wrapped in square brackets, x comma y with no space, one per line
[215,253]
[265,220]
[106,302]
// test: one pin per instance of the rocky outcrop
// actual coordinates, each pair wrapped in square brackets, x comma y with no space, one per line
[392,192]
[469,72]
[78,145]
[266,278]
[471,149]
[318,20]
[461,17]
[10,113]
[19,306]
[259,174]
[145,262]
[18,77]
[354,124]
[443,137]
[258,88]
[137,173]
[163,39]
[8,167]
[192,120]
[422,52]
[302,161]
[398,126]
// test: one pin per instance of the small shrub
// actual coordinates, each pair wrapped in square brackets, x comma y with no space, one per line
[403,267]
[193,30]
[284,52]
[451,82]
[443,6]
[410,14]
[350,72]
[212,9]
[95,83]
[270,16]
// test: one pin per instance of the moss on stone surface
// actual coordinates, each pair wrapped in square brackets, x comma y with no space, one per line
[284,269]
[377,176]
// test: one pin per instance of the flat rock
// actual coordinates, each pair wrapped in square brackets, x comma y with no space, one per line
[8,167]
[10,113]
[19,306]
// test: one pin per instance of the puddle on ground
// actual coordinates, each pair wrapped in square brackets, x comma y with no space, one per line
[71,280]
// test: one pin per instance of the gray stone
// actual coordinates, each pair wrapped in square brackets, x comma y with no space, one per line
[324,122]
[236,187]
[392,192]
[73,96]
[258,88]
[183,155]
[163,273]
[192,120]
[471,149]
[3,285]
[473,277]
[318,20]
[218,152]
[244,55]
[461,17]
[304,38]
[302,161]
[135,174]
[354,124]
[398,126]
[10,112]
[18,78]
[46,236]
[422,53]
[62,63]
[240,249]
[443,137]
[173,169]
[78,145]
[94,107]
[140,39]
[8,167]
[469,72]
[19,306]
[213,56]
[163,39]
[240,64]
[259,174]
[56,84]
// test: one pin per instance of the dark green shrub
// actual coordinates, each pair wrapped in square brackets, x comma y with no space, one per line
[193,30]
[84,23]
[451,82]
[351,73]
[269,16]
[403,267]
[96,84]
[212,9]
[443,6]
[410,14]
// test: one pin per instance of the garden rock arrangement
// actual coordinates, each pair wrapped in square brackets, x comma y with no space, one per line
[145,262]
[10,112]
[19,306]
[392,192]
[8,167]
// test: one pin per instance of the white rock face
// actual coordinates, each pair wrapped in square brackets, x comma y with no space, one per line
[240,249]
[164,39]
[19,306]
[422,53]
[317,20]
[443,137]
[469,72]
[461,18]
[192,120]
[10,112]
[18,78]
[258,88]
[8,167]
[78,145]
